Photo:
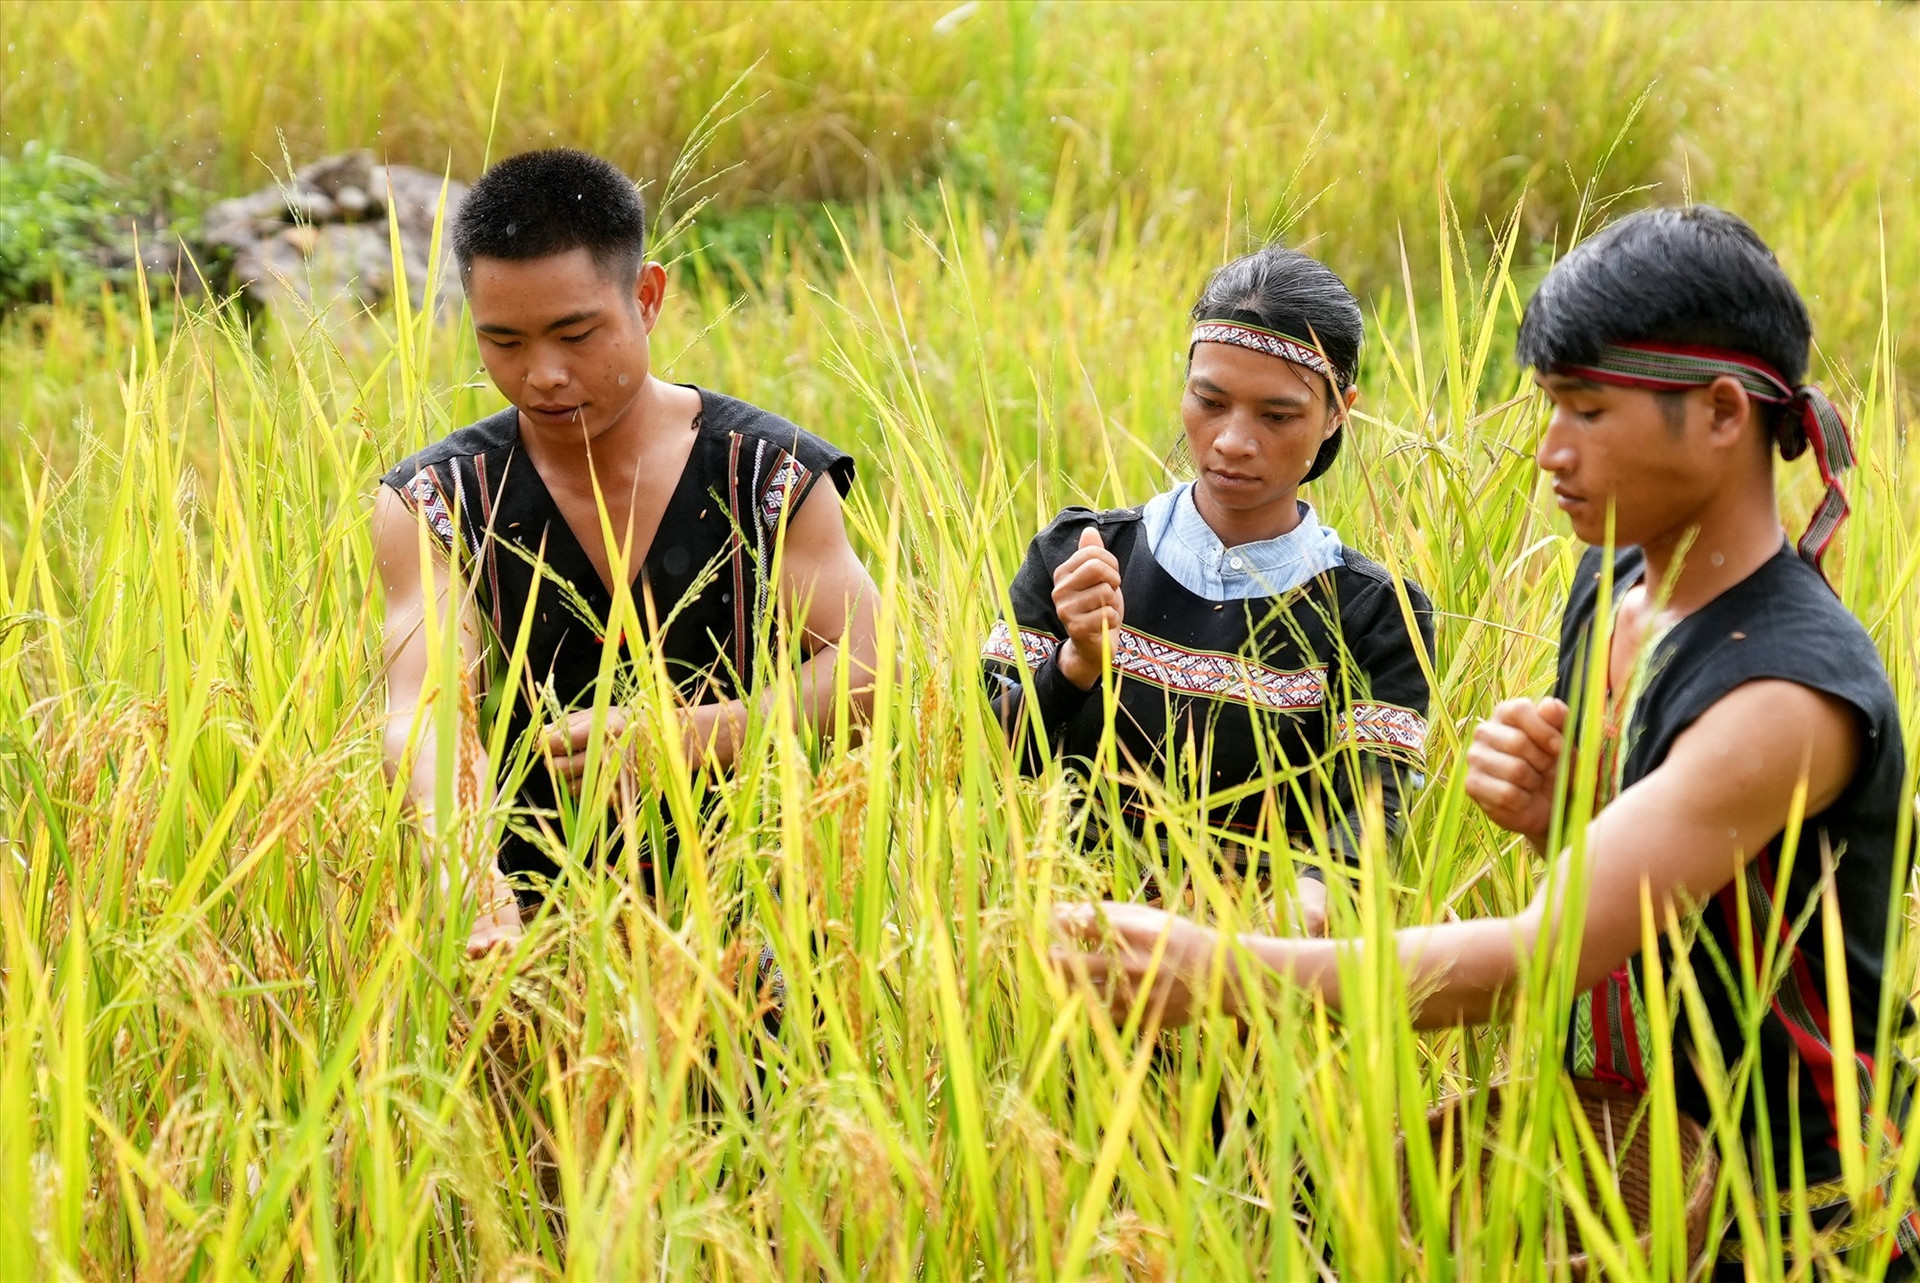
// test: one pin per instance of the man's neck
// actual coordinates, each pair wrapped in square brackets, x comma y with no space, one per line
[1719,546]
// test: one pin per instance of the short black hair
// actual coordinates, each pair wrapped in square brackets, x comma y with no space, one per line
[1693,274]
[541,203]
[1302,298]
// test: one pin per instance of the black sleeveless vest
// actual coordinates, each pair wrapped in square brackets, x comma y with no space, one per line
[701,591]
[1780,623]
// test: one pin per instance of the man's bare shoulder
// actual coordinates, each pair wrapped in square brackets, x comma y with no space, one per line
[1756,745]
[483,436]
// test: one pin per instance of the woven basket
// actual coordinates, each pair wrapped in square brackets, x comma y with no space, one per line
[1619,1126]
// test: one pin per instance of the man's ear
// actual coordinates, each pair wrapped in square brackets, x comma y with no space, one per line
[1730,411]
[649,292]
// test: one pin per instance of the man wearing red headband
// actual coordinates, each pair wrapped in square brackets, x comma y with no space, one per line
[1751,778]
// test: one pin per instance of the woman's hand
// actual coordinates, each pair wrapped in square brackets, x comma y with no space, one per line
[1512,765]
[1086,597]
[1111,948]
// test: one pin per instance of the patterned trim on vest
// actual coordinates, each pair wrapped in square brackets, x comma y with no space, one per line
[787,478]
[1386,727]
[1209,673]
[1606,1041]
[737,556]
[757,489]
[1037,646]
[1175,668]
[430,502]
[491,559]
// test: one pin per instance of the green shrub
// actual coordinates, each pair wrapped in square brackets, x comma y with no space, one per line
[65,226]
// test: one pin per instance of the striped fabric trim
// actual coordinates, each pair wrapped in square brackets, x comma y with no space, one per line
[756,493]
[737,558]
[1269,342]
[1798,1003]
[1384,726]
[492,555]
[1606,1039]
[1874,1216]
[1583,1048]
[1670,367]
[1209,674]
[1849,1235]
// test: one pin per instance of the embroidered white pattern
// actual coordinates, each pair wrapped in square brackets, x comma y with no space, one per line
[1199,672]
[1175,668]
[1385,726]
[999,645]
[1261,341]
[785,479]
[433,505]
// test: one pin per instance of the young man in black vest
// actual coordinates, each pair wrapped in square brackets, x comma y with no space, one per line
[1673,350]
[598,468]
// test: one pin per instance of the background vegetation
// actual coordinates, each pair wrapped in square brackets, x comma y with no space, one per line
[237,1035]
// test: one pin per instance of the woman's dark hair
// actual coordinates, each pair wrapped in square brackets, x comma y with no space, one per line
[1300,297]
[541,203]
[1692,275]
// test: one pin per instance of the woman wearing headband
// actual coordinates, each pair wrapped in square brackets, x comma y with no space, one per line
[1255,659]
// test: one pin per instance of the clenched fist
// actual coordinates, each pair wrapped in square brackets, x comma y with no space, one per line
[1086,596]
[1512,765]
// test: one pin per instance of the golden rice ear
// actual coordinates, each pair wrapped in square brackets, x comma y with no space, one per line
[1178,460]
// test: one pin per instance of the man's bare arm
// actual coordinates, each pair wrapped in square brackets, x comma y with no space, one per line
[1681,834]
[418,586]
[824,585]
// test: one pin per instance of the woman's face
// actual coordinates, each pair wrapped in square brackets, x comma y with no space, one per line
[1254,425]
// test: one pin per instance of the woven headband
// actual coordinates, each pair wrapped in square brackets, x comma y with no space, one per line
[1243,329]
[1671,367]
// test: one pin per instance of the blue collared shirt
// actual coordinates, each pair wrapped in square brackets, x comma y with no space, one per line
[1186,548]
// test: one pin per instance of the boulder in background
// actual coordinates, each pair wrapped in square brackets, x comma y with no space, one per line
[325,237]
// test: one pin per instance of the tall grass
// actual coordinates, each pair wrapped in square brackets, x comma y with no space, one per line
[1160,123]
[238,1035]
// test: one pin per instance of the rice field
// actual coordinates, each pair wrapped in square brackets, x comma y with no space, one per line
[239,1036]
